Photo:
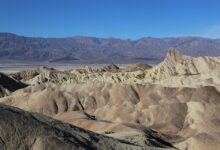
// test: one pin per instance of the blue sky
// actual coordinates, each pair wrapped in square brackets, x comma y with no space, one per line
[111,18]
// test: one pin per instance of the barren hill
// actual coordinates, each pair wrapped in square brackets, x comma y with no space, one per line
[186,117]
[25,130]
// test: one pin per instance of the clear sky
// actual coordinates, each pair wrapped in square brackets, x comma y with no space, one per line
[111,18]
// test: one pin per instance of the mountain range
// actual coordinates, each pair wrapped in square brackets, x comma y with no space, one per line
[78,49]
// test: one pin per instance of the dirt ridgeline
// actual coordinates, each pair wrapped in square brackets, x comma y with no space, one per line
[184,117]
[25,130]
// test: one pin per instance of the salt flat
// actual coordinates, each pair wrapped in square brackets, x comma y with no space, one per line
[8,68]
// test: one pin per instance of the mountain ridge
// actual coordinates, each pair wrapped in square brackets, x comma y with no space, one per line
[100,50]
[128,39]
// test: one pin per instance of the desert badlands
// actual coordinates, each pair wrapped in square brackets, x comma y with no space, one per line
[173,105]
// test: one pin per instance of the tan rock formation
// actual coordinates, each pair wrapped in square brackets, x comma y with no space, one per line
[180,115]
[25,130]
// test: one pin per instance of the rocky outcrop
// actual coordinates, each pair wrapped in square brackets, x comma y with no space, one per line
[110,74]
[89,69]
[177,64]
[8,85]
[29,74]
[24,130]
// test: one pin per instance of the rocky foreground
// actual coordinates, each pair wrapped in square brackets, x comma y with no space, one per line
[175,104]
[25,130]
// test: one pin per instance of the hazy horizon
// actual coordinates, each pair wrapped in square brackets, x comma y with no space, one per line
[85,36]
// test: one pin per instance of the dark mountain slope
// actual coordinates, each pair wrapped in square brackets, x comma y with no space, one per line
[8,85]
